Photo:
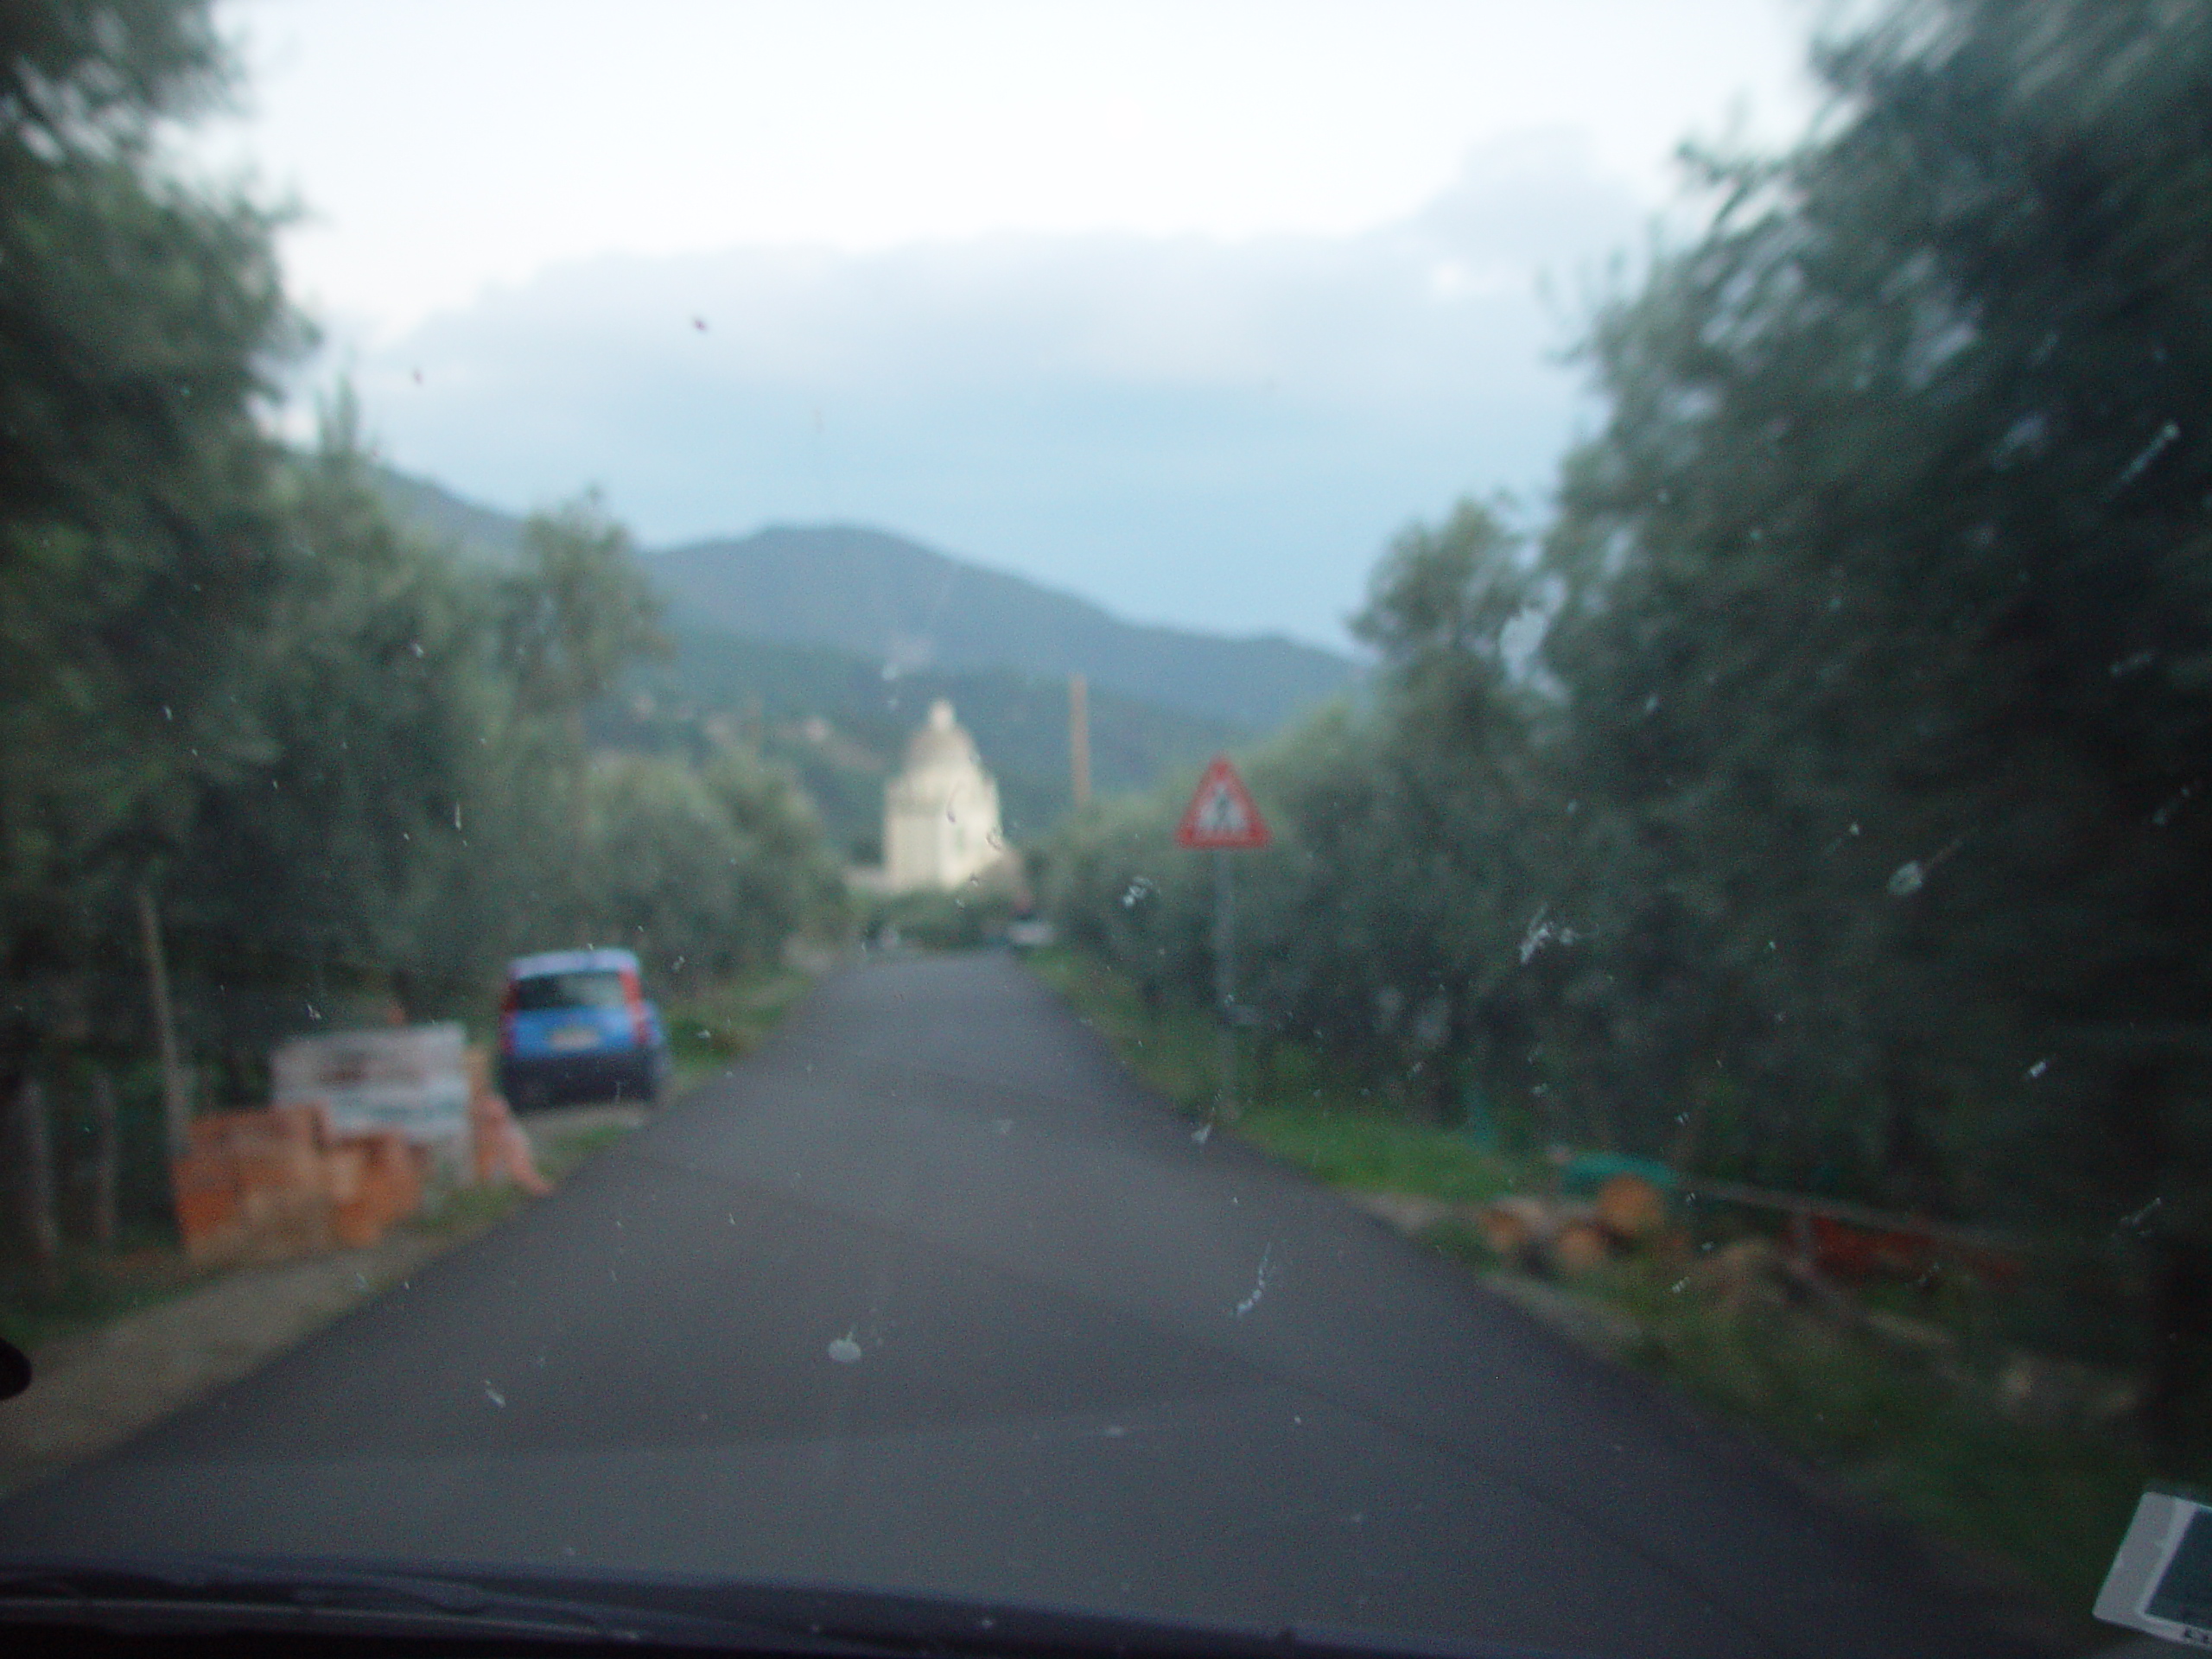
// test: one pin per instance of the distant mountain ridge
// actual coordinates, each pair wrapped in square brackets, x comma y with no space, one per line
[909,606]
[833,718]
[906,606]
[495,535]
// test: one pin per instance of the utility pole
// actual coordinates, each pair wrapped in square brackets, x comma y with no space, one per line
[1079,739]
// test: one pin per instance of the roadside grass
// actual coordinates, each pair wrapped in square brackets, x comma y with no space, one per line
[89,1290]
[1367,1152]
[1295,1107]
[712,1026]
[1920,1438]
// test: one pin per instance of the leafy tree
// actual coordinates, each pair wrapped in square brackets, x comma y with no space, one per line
[138,321]
[578,611]
[1888,632]
[1850,830]
[707,871]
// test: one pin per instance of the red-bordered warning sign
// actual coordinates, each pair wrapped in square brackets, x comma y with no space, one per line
[1221,812]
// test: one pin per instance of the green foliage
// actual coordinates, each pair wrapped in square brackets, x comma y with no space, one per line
[971,915]
[709,1025]
[576,611]
[137,325]
[1848,828]
[842,727]
[2053,1501]
[1371,1152]
[704,871]
[347,764]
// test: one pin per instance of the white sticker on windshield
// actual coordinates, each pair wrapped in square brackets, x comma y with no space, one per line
[2161,1579]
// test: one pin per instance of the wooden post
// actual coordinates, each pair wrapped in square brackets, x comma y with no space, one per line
[105,1158]
[34,1135]
[1079,739]
[176,1105]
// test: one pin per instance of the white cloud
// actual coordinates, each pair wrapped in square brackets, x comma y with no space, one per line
[448,145]
[1211,433]
[1183,306]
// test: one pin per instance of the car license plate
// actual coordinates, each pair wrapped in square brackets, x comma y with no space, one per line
[569,1038]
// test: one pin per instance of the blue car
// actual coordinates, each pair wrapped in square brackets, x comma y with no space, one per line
[575,1026]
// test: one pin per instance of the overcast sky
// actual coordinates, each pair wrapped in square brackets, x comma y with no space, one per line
[1184,307]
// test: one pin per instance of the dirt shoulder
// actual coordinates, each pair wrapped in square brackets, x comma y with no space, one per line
[93,1390]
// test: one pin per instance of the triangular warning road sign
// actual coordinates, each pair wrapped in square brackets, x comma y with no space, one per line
[1221,812]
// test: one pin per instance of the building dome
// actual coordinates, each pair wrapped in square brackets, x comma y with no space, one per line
[942,743]
[941,813]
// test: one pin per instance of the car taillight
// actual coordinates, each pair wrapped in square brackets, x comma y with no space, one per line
[640,1027]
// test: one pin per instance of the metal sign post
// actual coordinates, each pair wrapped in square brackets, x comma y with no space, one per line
[1223,817]
[1224,977]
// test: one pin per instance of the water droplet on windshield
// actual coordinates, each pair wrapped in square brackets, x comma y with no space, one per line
[846,1351]
[1258,1284]
[1908,878]
[495,1396]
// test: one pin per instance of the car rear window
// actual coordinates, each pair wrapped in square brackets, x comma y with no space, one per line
[600,989]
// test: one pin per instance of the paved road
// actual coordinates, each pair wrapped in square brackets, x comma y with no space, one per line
[930,1294]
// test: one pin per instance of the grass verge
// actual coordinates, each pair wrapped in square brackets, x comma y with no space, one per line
[709,1027]
[1919,1438]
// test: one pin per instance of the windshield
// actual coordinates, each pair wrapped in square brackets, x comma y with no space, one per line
[1399,815]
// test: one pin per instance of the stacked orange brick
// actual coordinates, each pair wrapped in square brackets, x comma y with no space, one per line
[270,1185]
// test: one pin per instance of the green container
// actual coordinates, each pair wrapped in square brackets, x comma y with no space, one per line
[1583,1174]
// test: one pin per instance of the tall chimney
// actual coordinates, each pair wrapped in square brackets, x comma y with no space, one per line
[1079,739]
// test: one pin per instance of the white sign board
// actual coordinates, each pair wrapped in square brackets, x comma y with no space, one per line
[412,1078]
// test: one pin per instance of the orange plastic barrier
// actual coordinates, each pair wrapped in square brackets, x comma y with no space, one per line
[501,1149]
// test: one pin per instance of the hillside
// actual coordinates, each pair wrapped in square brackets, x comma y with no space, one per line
[883,597]
[485,531]
[825,646]
[837,722]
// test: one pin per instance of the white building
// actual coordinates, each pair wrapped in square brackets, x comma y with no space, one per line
[941,814]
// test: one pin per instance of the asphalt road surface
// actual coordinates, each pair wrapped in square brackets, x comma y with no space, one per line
[930,1294]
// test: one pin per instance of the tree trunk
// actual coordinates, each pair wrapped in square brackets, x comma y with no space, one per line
[176,1102]
[42,1226]
[105,1157]
[2181,1346]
